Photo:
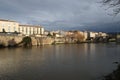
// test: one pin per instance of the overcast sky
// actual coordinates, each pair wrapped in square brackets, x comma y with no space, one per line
[61,14]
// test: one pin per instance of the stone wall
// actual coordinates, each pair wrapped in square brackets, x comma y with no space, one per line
[4,39]
[35,40]
[42,40]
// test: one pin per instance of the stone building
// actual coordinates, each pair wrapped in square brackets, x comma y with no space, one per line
[9,26]
[92,35]
[31,30]
[101,34]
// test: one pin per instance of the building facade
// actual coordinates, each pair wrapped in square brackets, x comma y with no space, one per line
[31,30]
[9,26]
[92,35]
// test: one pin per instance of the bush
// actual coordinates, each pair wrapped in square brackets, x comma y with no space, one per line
[27,41]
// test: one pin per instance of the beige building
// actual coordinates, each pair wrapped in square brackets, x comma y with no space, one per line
[92,34]
[31,30]
[9,26]
[101,34]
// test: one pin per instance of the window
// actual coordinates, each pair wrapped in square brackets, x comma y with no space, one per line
[26,30]
[8,28]
[14,28]
[3,25]
[30,30]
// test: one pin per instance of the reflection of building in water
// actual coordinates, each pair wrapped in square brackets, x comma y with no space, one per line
[90,50]
[86,49]
[6,64]
[14,61]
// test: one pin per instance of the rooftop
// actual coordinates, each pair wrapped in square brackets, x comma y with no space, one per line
[31,25]
[7,20]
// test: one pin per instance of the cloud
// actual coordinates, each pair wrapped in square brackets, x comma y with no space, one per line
[57,14]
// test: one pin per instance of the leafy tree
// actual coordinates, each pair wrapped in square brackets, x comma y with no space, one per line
[113,4]
[27,41]
[15,32]
[49,34]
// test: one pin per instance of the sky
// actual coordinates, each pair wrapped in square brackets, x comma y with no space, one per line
[88,15]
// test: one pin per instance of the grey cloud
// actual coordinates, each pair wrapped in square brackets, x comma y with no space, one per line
[57,14]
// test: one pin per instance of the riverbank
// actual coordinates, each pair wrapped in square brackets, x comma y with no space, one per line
[5,40]
[115,75]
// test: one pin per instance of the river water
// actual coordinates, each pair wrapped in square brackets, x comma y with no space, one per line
[59,62]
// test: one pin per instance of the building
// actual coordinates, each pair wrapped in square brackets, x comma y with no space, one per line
[118,37]
[101,34]
[31,30]
[58,33]
[92,35]
[9,26]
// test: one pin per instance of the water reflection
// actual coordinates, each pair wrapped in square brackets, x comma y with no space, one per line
[59,62]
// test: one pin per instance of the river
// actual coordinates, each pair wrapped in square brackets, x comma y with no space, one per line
[59,62]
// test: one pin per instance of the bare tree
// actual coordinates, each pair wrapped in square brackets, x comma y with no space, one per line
[80,37]
[113,4]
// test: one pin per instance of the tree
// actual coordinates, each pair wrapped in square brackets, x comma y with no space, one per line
[80,37]
[27,41]
[15,32]
[113,4]
[3,30]
[49,34]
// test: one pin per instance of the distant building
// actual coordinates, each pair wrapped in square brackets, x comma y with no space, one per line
[9,26]
[118,37]
[31,30]
[101,34]
[46,32]
[69,33]
[92,35]
[58,33]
